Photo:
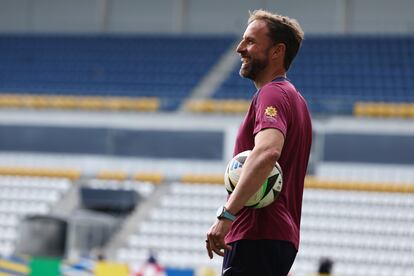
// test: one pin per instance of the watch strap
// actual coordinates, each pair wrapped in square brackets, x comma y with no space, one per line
[226,214]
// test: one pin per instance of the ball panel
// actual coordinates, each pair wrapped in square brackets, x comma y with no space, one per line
[255,198]
[232,186]
[270,182]
[266,194]
[241,158]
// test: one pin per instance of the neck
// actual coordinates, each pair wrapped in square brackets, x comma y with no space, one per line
[260,82]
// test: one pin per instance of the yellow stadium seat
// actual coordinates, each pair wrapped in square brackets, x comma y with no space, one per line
[202,178]
[384,110]
[63,102]
[112,175]
[72,174]
[153,177]
[315,183]
[144,104]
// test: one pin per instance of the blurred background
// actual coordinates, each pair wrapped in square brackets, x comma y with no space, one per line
[118,117]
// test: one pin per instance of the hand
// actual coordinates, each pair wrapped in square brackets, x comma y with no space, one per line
[215,237]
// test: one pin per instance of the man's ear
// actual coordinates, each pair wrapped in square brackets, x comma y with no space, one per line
[279,50]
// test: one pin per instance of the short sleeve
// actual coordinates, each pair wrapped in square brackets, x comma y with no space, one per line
[272,109]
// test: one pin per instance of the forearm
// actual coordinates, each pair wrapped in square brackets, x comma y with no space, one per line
[255,171]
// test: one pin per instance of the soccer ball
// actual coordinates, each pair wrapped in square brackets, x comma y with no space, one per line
[267,193]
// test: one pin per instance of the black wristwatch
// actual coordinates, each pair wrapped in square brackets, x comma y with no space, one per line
[223,213]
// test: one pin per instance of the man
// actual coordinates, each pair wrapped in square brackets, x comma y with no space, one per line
[277,127]
[151,268]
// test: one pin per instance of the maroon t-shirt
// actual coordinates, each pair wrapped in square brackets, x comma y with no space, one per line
[277,105]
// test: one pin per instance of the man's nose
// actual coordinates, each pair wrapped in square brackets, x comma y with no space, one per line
[240,47]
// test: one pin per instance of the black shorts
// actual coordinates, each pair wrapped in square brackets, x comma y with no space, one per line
[259,258]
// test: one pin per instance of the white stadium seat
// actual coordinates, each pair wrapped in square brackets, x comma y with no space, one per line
[21,196]
[365,233]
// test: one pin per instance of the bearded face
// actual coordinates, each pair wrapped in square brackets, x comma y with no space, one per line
[253,65]
[255,50]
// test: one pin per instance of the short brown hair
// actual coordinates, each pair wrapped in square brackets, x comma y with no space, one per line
[282,29]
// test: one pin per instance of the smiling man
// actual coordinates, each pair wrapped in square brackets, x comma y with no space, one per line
[277,128]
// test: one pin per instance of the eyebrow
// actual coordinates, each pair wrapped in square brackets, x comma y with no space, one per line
[249,38]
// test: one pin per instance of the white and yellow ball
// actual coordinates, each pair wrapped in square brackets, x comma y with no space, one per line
[269,190]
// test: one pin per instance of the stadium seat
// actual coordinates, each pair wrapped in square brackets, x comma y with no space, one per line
[139,66]
[25,195]
[335,72]
[353,227]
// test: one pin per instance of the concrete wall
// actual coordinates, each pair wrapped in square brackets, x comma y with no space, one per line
[144,143]
[200,16]
[373,143]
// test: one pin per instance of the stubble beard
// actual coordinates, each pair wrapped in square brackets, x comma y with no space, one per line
[253,69]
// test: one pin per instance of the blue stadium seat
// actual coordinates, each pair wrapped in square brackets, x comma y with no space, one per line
[333,72]
[168,67]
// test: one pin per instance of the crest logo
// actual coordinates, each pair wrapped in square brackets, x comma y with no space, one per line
[235,165]
[271,111]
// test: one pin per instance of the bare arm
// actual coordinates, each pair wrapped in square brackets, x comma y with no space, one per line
[267,150]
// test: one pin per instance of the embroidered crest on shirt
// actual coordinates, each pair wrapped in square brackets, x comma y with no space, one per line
[271,111]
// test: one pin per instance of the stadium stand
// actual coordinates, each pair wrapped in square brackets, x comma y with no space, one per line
[335,72]
[364,231]
[357,207]
[384,110]
[344,142]
[26,195]
[161,67]
[365,228]
[173,231]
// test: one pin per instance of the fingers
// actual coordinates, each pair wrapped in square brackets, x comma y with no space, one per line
[219,251]
[217,246]
[215,238]
[209,250]
[213,247]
